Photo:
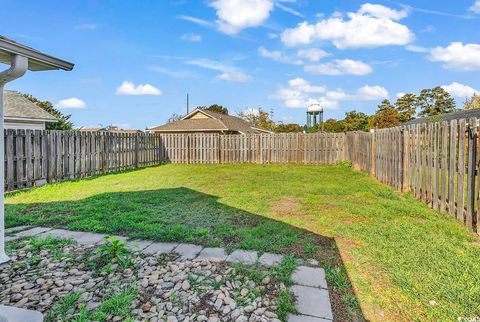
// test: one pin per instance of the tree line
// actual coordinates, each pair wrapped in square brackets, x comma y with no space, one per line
[428,103]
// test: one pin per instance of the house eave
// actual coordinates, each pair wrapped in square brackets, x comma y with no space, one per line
[197,110]
[37,60]
[192,130]
[28,119]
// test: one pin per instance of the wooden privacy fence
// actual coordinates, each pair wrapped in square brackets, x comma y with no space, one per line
[438,162]
[34,157]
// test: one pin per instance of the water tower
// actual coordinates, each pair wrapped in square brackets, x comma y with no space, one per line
[314,111]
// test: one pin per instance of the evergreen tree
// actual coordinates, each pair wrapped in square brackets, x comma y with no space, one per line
[435,101]
[63,123]
[406,107]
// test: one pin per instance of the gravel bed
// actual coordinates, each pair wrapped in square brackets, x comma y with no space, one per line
[67,282]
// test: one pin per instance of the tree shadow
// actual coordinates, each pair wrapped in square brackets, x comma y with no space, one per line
[185,215]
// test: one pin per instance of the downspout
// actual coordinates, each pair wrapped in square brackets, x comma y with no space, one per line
[18,68]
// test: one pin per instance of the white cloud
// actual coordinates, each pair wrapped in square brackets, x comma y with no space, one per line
[400,95]
[457,56]
[173,73]
[236,15]
[278,56]
[371,93]
[365,93]
[379,11]
[71,102]
[228,73]
[460,90]
[476,7]
[312,54]
[191,37]
[416,49]
[340,67]
[371,26]
[272,35]
[234,76]
[304,86]
[196,20]
[289,10]
[300,94]
[128,88]
[337,95]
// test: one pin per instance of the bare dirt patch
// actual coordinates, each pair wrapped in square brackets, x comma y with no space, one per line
[287,206]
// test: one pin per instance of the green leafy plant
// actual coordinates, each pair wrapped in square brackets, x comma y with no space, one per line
[116,250]
[344,163]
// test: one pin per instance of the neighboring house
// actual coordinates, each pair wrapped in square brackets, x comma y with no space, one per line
[110,130]
[21,113]
[205,121]
[462,114]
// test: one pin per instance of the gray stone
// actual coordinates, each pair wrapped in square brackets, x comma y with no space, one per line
[162,248]
[187,251]
[243,256]
[305,318]
[61,233]
[89,238]
[210,253]
[32,232]
[13,314]
[11,238]
[138,245]
[310,276]
[313,301]
[83,238]
[16,229]
[269,259]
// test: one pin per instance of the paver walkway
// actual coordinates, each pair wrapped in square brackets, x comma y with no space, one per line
[310,286]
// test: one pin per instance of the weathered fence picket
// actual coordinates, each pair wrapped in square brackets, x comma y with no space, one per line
[36,157]
[438,162]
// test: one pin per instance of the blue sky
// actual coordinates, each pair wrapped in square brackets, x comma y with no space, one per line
[136,60]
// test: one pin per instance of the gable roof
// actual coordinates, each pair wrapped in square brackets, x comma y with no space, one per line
[103,129]
[214,121]
[18,107]
[462,114]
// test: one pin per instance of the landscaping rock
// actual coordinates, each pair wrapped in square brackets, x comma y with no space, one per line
[166,287]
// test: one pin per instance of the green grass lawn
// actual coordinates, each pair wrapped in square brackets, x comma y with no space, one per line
[404,260]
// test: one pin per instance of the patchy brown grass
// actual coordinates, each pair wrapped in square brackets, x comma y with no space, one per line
[287,206]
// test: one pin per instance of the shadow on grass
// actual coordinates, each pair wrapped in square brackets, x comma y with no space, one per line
[185,215]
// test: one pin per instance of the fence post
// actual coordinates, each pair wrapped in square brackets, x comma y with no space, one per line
[472,153]
[219,151]
[373,154]
[136,151]
[405,158]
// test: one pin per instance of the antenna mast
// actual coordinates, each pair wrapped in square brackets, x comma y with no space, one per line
[188,107]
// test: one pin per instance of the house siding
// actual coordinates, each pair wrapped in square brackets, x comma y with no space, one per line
[16,125]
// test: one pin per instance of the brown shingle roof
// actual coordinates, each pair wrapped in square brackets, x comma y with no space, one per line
[19,107]
[216,122]
[102,129]
[462,114]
